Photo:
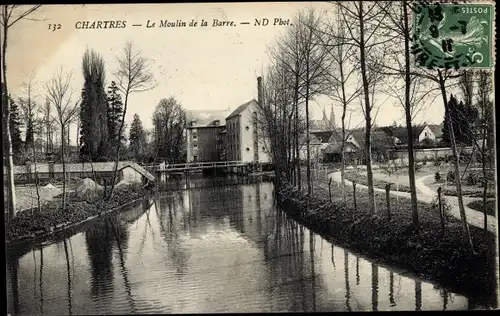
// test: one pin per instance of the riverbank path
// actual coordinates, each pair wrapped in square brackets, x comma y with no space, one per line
[426,195]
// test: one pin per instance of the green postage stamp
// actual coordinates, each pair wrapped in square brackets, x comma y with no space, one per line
[454,35]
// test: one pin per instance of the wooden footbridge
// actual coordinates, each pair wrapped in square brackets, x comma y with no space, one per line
[192,166]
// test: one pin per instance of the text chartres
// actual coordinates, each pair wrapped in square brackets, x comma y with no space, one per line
[101,24]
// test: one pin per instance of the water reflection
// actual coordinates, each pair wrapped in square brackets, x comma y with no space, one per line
[99,243]
[346,276]
[215,249]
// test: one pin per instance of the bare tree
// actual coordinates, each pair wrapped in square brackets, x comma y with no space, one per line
[344,71]
[485,124]
[289,54]
[316,77]
[275,117]
[169,121]
[49,122]
[30,111]
[442,77]
[366,35]
[416,89]
[10,15]
[133,75]
[60,94]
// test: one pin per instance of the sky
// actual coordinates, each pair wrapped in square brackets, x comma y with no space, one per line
[202,67]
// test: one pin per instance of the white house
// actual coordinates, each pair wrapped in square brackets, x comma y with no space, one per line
[245,140]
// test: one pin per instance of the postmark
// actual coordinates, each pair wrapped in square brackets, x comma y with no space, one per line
[453,36]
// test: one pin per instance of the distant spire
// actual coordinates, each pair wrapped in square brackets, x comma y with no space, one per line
[332,117]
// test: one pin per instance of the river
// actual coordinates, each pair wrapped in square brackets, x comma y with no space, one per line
[224,248]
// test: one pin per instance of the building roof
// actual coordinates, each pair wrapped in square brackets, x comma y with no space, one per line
[379,138]
[322,136]
[83,167]
[401,133]
[313,140]
[437,129]
[240,109]
[206,117]
[335,148]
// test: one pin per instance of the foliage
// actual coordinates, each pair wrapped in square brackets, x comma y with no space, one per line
[437,177]
[114,116]
[450,176]
[446,206]
[472,179]
[137,147]
[463,118]
[93,112]
[169,119]
[15,128]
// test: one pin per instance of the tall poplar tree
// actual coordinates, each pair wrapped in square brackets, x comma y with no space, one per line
[94,109]
[114,116]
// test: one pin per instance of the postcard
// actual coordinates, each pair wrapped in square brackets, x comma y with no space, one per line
[249,157]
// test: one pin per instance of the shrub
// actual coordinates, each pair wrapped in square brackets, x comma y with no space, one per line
[472,179]
[450,177]
[437,176]
[434,206]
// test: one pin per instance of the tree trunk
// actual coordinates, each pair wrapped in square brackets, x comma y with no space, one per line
[297,149]
[483,158]
[117,159]
[409,129]
[10,161]
[368,119]
[36,179]
[308,142]
[344,110]
[463,216]
[64,167]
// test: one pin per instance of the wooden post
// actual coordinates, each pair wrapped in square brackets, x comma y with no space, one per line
[330,189]
[388,199]
[354,193]
[441,212]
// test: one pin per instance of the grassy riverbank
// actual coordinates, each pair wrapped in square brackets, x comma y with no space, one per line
[428,253]
[478,206]
[33,223]
[363,179]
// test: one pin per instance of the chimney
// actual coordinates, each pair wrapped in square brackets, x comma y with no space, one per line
[259,90]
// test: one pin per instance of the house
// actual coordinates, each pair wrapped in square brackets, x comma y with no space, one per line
[204,135]
[333,151]
[422,134]
[437,130]
[245,142]
[316,147]
[381,143]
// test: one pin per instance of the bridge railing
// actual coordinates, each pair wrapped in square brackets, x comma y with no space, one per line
[196,165]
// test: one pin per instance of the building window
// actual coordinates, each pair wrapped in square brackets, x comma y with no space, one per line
[263,148]
[248,149]
[195,146]
[247,128]
[195,137]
